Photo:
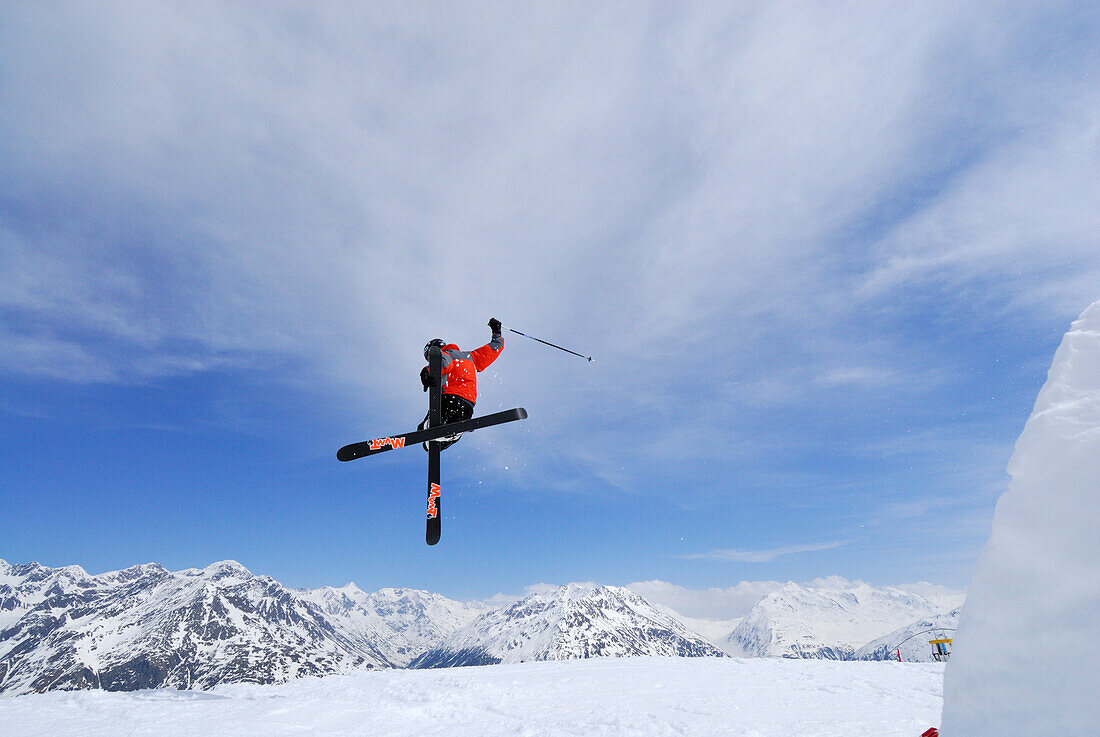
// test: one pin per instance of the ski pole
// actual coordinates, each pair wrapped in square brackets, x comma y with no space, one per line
[544,342]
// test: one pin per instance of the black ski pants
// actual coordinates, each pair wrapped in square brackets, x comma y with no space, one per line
[452,408]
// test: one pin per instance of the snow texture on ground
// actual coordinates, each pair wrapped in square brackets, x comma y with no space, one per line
[646,697]
[1025,655]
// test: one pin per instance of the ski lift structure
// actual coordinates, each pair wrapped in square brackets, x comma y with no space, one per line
[941,648]
[940,642]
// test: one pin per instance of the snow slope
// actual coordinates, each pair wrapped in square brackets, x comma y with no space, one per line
[641,697]
[573,621]
[1025,654]
[831,622]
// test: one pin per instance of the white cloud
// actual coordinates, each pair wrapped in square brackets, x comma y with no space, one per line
[1027,216]
[715,607]
[502,599]
[682,191]
[761,556]
[713,603]
[842,375]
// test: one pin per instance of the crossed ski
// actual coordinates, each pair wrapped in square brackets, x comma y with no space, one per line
[431,435]
[392,442]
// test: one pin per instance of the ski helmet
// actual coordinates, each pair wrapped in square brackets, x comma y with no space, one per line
[438,342]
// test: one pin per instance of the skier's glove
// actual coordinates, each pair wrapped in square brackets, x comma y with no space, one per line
[426,378]
[495,325]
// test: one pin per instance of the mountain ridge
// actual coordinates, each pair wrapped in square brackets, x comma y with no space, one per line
[148,627]
[572,621]
[798,621]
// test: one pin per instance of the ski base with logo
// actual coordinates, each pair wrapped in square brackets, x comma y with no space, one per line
[380,445]
[435,421]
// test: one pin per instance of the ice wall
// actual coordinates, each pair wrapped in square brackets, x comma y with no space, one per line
[1027,651]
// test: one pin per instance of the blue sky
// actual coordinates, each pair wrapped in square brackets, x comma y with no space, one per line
[822,255]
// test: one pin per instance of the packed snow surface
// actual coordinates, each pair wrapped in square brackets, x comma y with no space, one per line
[646,697]
[1025,656]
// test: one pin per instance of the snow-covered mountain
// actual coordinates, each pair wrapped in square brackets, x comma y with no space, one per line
[402,623]
[147,627]
[573,621]
[831,622]
[914,648]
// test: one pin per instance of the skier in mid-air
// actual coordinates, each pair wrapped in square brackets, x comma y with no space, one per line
[451,374]
[460,370]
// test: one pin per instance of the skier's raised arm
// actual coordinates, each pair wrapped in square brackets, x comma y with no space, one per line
[488,353]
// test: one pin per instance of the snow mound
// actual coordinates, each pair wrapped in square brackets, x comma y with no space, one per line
[1024,660]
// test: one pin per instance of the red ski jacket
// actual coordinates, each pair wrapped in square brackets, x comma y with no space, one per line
[460,367]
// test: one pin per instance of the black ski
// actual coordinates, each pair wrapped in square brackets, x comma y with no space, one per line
[380,445]
[435,419]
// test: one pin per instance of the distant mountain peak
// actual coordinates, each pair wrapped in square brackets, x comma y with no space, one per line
[571,621]
[798,621]
[224,568]
[146,627]
[403,623]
